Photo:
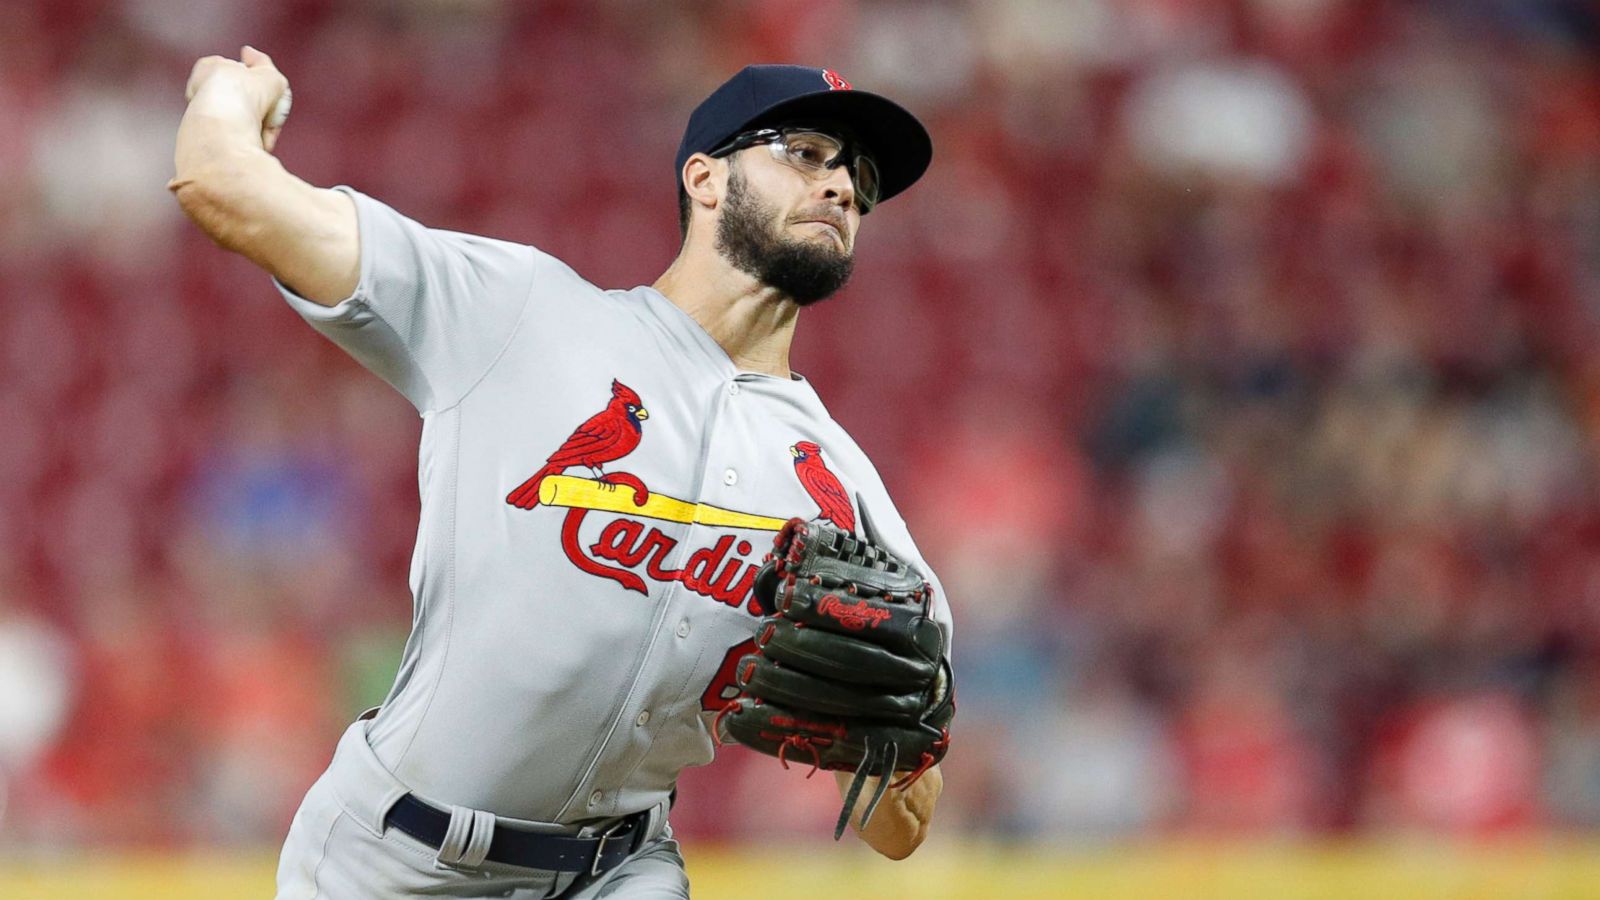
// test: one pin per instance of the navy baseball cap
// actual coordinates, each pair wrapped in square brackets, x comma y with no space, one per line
[764,96]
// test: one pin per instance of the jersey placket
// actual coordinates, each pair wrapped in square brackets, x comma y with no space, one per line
[635,713]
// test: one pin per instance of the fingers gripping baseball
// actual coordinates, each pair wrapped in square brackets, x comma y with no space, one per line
[248,86]
[272,125]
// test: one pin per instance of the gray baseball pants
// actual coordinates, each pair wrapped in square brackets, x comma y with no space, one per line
[339,849]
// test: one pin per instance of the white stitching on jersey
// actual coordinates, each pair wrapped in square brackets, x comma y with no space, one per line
[450,587]
[516,327]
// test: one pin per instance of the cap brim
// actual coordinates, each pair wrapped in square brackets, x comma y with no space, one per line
[895,138]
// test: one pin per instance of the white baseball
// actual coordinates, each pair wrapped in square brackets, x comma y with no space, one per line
[280,111]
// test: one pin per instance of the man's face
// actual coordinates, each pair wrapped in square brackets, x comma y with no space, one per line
[787,230]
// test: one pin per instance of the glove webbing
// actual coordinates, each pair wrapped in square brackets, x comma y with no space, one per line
[879,762]
[847,548]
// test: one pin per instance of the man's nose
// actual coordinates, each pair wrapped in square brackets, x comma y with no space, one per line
[838,186]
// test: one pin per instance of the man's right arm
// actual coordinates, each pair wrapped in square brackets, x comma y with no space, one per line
[231,186]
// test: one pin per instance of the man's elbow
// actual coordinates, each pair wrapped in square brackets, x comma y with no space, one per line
[222,192]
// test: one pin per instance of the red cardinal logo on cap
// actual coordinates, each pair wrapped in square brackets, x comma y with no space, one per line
[835,81]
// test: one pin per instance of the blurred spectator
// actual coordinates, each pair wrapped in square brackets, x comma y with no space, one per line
[1571,789]
[1462,765]
[1241,119]
[36,670]
[1099,765]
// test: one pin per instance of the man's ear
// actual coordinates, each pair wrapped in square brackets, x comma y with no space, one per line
[701,180]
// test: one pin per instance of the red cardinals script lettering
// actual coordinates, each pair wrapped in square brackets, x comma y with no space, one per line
[632,552]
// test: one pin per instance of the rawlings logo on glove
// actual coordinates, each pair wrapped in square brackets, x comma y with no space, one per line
[854,617]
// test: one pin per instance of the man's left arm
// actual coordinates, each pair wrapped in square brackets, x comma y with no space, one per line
[901,821]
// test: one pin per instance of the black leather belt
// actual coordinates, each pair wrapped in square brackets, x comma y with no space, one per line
[553,852]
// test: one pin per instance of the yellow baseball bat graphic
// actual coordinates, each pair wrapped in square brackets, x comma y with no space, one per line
[586,493]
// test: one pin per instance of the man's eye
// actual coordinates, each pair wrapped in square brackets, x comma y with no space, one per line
[809,152]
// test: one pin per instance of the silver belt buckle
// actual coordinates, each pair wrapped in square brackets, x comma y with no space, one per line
[600,849]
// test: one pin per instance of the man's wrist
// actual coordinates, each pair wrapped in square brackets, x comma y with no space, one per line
[229,105]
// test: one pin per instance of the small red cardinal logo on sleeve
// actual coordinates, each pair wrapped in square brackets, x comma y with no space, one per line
[606,436]
[823,485]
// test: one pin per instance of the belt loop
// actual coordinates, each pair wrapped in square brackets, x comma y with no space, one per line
[655,823]
[482,836]
[466,840]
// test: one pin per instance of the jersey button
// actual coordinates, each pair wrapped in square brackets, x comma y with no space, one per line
[683,628]
[596,797]
[643,717]
[730,478]
[733,388]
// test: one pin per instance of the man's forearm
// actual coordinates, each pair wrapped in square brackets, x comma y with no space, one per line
[219,156]
[229,183]
[244,199]
[901,821]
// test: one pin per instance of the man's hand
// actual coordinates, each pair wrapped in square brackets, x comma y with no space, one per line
[249,91]
[902,824]
[232,187]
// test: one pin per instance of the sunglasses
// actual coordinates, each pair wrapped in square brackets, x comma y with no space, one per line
[814,154]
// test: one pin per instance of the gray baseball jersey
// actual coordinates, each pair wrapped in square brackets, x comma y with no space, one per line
[599,484]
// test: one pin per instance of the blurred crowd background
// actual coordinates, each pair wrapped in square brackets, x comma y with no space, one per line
[1236,364]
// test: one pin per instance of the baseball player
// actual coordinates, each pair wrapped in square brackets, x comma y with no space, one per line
[603,474]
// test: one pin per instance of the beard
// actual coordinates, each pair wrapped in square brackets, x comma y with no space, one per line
[804,271]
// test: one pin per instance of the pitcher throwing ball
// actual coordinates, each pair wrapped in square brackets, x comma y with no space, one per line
[642,535]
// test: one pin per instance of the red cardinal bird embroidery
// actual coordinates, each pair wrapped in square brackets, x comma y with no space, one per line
[823,485]
[607,436]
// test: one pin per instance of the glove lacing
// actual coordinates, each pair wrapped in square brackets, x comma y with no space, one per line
[879,762]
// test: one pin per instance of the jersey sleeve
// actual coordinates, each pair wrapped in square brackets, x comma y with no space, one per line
[940,608]
[432,310]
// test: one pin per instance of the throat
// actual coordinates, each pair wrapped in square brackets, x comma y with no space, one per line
[753,324]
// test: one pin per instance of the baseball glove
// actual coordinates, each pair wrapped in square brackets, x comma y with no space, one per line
[850,668]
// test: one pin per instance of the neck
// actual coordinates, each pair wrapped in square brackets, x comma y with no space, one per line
[753,323]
